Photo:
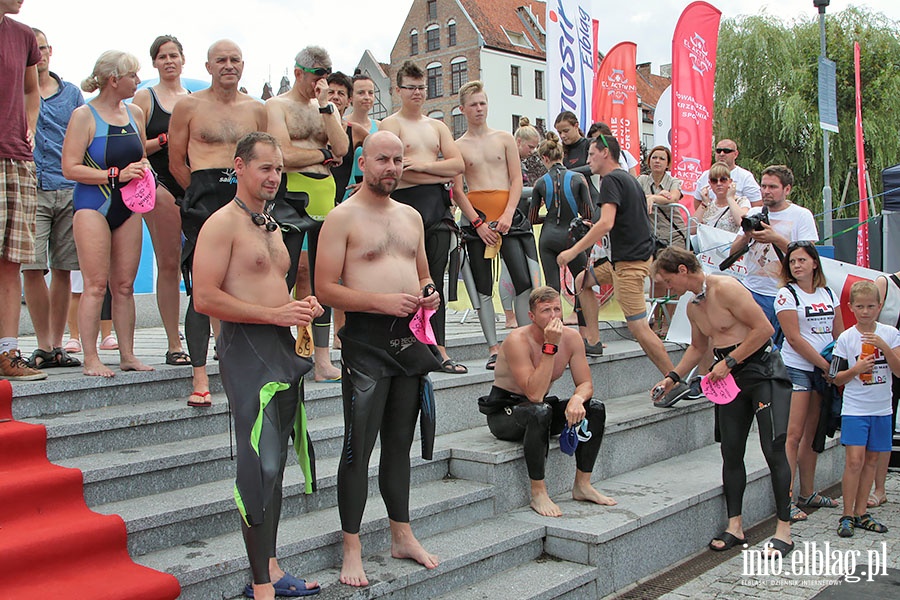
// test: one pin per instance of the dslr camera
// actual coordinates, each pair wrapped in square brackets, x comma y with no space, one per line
[754,222]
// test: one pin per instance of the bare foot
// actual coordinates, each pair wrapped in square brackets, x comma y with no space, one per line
[264,591]
[543,505]
[133,364]
[327,372]
[589,494]
[411,548]
[352,572]
[94,367]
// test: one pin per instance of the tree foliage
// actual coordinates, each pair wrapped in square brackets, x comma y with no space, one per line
[767,97]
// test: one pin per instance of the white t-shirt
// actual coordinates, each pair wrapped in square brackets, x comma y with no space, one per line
[815,316]
[744,183]
[763,267]
[871,399]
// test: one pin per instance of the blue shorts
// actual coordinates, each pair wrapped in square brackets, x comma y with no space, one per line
[806,381]
[872,432]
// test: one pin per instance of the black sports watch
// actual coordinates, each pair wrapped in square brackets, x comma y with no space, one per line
[328,109]
[730,362]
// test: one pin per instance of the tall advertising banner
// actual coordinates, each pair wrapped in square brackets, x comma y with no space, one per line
[615,96]
[862,234]
[693,80]
[662,123]
[571,55]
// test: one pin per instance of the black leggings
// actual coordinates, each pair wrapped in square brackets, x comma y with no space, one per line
[389,405]
[533,424]
[437,250]
[769,398]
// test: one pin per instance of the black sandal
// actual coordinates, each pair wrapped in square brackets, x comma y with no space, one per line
[728,539]
[491,363]
[52,359]
[448,366]
[178,358]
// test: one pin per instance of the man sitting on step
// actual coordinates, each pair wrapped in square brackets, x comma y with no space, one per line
[519,409]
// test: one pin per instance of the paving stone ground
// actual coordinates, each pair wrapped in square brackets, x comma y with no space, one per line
[858,554]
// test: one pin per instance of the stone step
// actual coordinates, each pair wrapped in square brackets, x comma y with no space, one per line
[206,510]
[666,512]
[144,414]
[217,567]
[637,434]
[467,555]
[545,578]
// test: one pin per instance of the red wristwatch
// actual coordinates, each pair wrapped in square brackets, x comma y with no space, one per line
[478,222]
[113,175]
[163,140]
[549,348]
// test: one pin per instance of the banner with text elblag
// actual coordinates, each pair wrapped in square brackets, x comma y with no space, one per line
[693,81]
[615,95]
[570,59]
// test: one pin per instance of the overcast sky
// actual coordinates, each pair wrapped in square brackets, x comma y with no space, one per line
[271,32]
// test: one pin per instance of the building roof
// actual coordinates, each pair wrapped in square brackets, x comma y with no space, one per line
[508,24]
[649,86]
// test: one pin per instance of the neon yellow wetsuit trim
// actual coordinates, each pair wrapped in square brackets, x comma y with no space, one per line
[320,191]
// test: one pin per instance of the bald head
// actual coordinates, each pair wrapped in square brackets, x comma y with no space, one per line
[381,141]
[221,45]
[727,157]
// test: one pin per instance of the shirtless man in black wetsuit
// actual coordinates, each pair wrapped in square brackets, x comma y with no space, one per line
[531,359]
[724,314]
[203,132]
[372,265]
[312,136]
[425,182]
[241,263]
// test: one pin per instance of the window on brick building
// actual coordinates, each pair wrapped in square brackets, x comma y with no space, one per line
[432,10]
[539,85]
[433,38]
[435,78]
[437,114]
[459,74]
[459,123]
[413,42]
[451,33]
[514,72]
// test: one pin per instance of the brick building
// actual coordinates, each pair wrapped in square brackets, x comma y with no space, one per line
[500,42]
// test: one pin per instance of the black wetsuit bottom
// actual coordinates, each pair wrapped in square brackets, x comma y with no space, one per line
[765,393]
[210,190]
[555,239]
[533,423]
[433,204]
[267,404]
[290,212]
[383,368]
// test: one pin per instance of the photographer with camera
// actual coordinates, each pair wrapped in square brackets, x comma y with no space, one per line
[767,231]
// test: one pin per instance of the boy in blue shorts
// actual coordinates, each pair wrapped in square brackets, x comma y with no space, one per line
[866,414]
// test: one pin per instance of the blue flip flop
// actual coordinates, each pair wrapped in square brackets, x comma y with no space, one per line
[289,586]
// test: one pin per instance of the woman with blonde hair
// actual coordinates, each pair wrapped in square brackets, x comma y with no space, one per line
[527,140]
[102,152]
[719,205]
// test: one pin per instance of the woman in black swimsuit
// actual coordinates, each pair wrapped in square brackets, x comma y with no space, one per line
[164,221]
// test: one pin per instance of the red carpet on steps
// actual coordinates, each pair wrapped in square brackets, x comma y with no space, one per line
[51,544]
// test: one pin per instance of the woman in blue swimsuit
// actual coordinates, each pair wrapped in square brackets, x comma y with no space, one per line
[103,151]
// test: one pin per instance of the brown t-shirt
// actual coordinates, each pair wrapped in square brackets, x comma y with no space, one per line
[18,51]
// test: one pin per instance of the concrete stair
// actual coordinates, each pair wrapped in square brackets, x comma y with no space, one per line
[166,469]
